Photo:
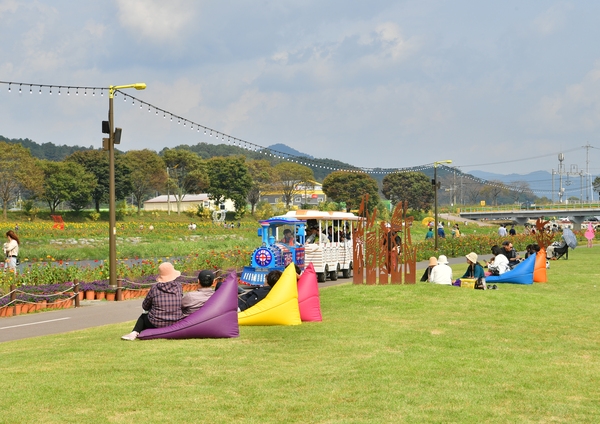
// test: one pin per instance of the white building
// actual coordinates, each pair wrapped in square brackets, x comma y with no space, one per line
[190,201]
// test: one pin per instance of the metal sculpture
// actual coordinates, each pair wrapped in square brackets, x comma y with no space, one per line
[384,253]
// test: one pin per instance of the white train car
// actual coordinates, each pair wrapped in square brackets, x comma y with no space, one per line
[331,252]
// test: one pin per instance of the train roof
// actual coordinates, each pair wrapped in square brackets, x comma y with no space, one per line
[306,214]
[282,220]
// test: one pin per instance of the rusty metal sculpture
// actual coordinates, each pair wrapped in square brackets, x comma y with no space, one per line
[384,253]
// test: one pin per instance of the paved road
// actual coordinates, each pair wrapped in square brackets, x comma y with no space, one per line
[96,313]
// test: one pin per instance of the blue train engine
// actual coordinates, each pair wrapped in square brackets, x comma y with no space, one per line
[282,244]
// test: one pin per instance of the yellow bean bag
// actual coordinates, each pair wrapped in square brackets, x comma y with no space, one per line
[280,307]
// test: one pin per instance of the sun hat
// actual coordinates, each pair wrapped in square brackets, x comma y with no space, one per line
[443,260]
[166,272]
[472,257]
[433,261]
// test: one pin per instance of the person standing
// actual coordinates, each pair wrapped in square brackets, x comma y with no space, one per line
[162,305]
[11,251]
[590,233]
[502,231]
[429,234]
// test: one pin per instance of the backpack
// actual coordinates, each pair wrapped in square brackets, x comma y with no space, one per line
[480,284]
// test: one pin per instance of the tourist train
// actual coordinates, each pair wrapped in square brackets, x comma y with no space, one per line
[323,238]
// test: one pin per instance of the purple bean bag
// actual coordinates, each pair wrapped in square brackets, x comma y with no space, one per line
[218,318]
[521,274]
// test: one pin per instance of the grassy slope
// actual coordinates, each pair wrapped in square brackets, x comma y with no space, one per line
[418,353]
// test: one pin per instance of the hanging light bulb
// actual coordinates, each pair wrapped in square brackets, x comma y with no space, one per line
[156,112]
[76,91]
[171,118]
[40,89]
[50,90]
[93,92]
[164,115]
[68,91]
[204,131]
[102,92]
[30,91]
[19,88]
[148,108]
[85,92]
[59,90]
[132,102]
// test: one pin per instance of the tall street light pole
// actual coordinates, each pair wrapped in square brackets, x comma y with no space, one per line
[112,216]
[435,209]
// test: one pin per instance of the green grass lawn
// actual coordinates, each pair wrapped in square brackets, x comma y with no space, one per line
[383,354]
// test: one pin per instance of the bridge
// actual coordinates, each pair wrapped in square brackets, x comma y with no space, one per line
[576,213]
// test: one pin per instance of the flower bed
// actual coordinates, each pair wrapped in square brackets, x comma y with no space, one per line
[33,298]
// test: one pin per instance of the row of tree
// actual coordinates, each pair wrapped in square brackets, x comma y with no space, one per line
[81,179]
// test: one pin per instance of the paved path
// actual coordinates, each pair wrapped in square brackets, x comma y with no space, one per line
[95,313]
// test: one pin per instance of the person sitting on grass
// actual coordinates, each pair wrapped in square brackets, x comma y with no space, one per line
[192,301]
[162,304]
[441,273]
[498,265]
[432,263]
[252,297]
[475,270]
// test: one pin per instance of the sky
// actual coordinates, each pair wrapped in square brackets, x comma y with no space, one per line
[497,86]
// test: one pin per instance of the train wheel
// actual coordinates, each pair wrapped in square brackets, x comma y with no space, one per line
[333,275]
[347,273]
[321,277]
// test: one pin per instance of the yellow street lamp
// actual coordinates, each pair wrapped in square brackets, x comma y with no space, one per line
[112,217]
[435,190]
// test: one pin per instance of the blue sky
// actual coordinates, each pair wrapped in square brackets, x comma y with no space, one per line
[499,86]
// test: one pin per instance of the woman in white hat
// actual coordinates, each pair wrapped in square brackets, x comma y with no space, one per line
[475,270]
[441,273]
[162,304]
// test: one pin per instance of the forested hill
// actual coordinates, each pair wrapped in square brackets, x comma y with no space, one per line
[207,151]
[49,151]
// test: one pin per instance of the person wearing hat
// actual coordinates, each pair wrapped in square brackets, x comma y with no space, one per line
[432,262]
[313,235]
[192,301]
[162,304]
[441,273]
[475,270]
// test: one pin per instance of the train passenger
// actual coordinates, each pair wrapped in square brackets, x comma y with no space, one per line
[288,237]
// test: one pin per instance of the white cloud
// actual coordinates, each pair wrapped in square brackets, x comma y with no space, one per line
[552,20]
[8,6]
[158,20]
[577,108]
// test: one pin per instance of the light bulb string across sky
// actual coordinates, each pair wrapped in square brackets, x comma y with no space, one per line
[21,87]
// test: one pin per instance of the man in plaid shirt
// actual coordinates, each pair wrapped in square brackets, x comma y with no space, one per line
[162,303]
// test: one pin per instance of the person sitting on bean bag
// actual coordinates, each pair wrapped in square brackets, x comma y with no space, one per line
[162,304]
[192,301]
[252,297]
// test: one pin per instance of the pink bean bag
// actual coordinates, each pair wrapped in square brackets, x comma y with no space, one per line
[308,295]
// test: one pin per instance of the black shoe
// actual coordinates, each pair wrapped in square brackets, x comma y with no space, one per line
[494,287]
